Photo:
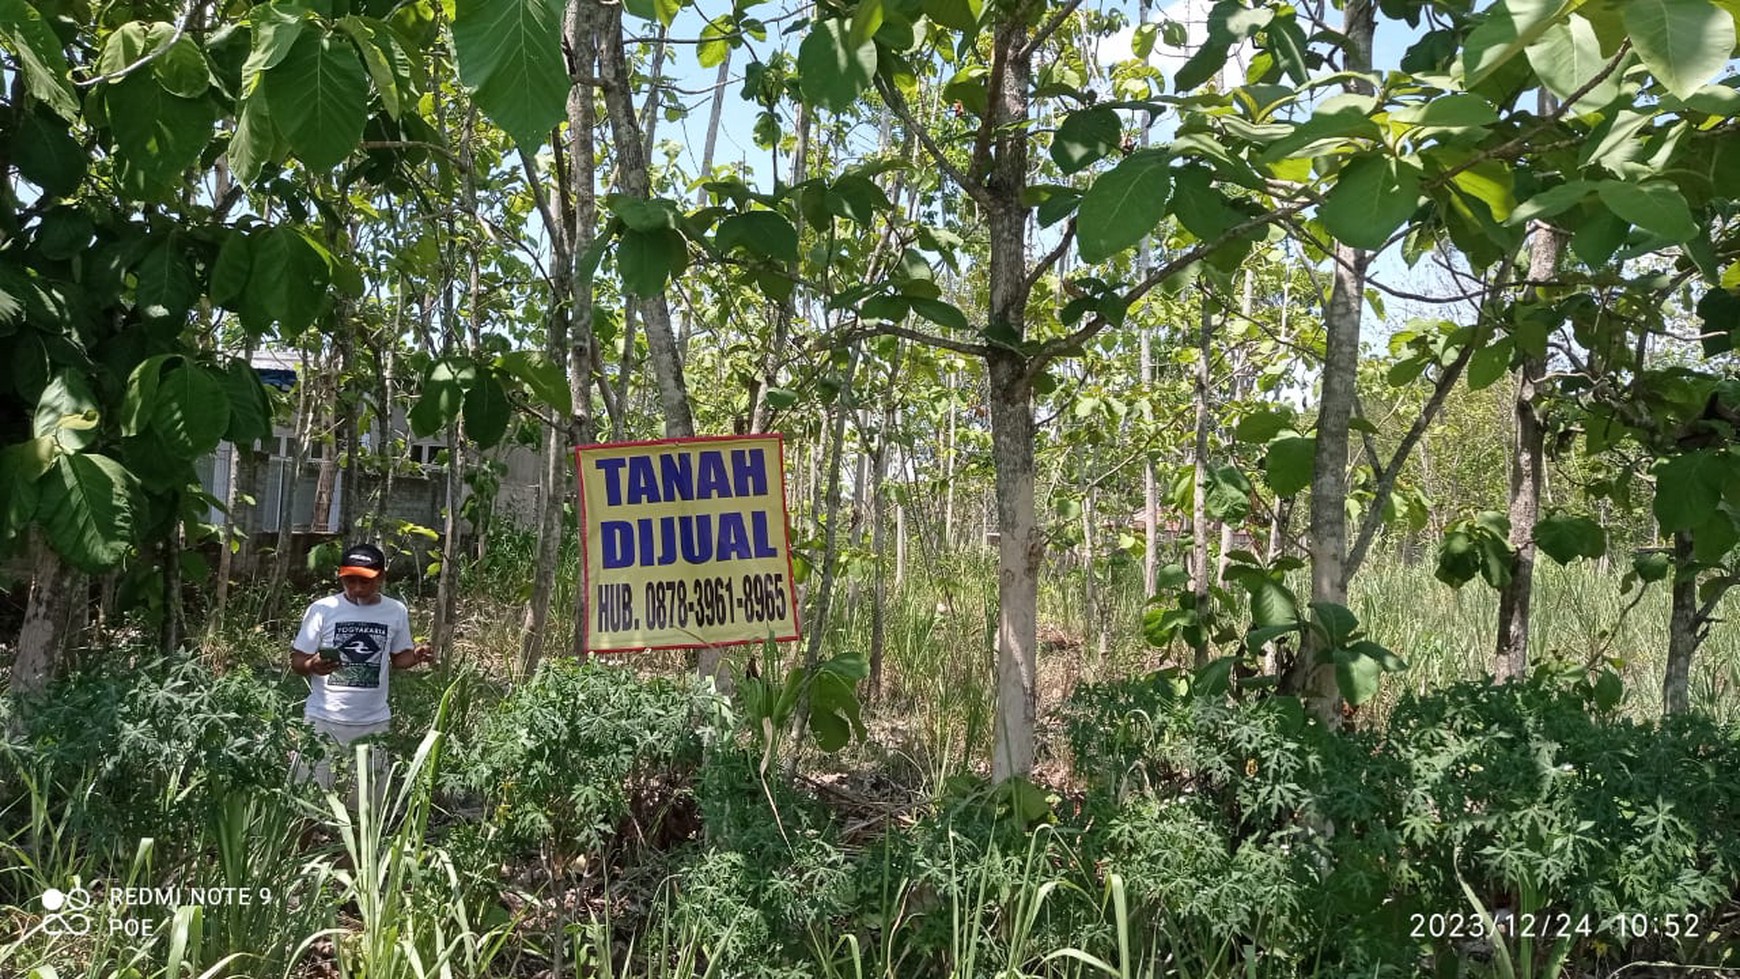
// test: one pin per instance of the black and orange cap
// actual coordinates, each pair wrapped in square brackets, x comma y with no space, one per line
[362,561]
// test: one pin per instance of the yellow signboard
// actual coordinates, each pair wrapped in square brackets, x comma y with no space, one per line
[685,543]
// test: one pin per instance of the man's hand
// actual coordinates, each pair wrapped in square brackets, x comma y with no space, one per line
[311,664]
[421,653]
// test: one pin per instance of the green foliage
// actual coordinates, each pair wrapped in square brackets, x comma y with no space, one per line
[510,59]
[550,774]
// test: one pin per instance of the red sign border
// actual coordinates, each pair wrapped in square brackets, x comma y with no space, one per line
[585,565]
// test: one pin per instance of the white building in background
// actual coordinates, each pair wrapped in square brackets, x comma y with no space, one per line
[419,489]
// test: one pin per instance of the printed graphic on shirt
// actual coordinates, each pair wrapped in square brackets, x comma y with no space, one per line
[360,648]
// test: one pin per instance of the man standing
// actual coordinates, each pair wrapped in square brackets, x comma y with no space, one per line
[345,646]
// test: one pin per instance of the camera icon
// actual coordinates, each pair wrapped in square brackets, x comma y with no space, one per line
[66,911]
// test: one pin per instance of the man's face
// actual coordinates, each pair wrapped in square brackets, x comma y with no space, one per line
[360,590]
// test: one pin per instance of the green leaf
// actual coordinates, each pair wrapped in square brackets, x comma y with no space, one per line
[1458,559]
[649,259]
[1287,465]
[1509,28]
[486,411]
[287,282]
[857,198]
[1688,487]
[1566,57]
[1652,565]
[47,155]
[375,40]
[182,70]
[1337,622]
[250,409]
[1565,538]
[1263,424]
[229,276]
[1488,364]
[159,135]
[642,213]
[21,467]
[714,46]
[167,288]
[1357,675]
[1656,206]
[767,234]
[1551,201]
[889,309]
[1086,135]
[319,98]
[26,35]
[510,59]
[1608,691]
[1462,110]
[1372,197]
[1229,494]
[1685,43]
[545,378]
[961,15]
[254,142]
[1719,311]
[1272,605]
[866,20]
[940,313]
[1123,205]
[275,28]
[190,411]
[86,510]
[67,412]
[832,70]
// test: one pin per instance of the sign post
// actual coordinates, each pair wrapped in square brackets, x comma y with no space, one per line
[685,543]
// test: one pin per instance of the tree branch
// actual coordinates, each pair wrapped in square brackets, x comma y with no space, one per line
[1053,349]
[1050,28]
[1050,259]
[897,102]
[894,330]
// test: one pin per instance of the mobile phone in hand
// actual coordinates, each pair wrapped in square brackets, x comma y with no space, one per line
[329,653]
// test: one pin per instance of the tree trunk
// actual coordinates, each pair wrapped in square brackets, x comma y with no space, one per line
[1526,471]
[1683,629]
[447,582]
[1199,506]
[45,639]
[878,547]
[226,542]
[1150,484]
[655,311]
[287,482]
[1314,674]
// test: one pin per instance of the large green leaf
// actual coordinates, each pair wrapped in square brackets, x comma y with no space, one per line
[1565,538]
[1656,206]
[1359,668]
[1288,464]
[1460,111]
[1372,197]
[86,510]
[833,71]
[375,40]
[67,412]
[287,282]
[181,68]
[1509,27]
[938,312]
[158,134]
[487,411]
[1689,486]
[26,35]
[250,409]
[167,288]
[510,57]
[649,259]
[275,28]
[961,15]
[319,98]
[545,378]
[191,411]
[1684,42]
[1566,56]
[766,234]
[21,467]
[1229,494]
[1086,135]
[1123,205]
[47,155]
[255,140]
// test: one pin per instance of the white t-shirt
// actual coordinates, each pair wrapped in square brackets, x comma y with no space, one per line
[366,636]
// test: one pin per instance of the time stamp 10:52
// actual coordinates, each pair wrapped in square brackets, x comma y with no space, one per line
[1553,926]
